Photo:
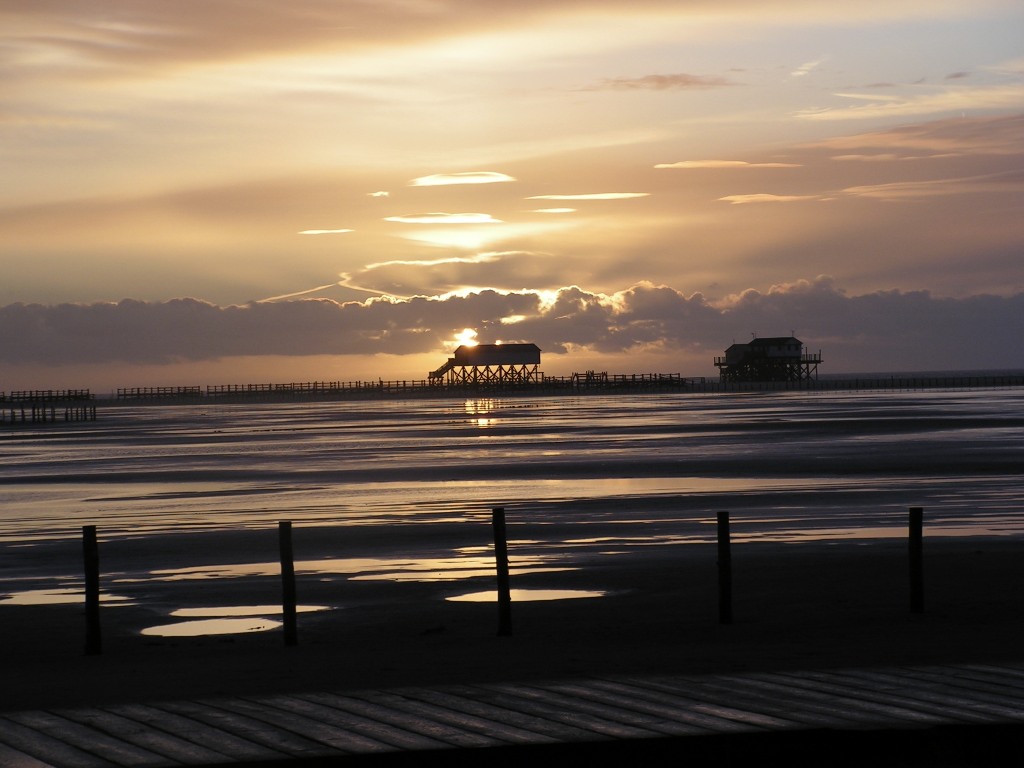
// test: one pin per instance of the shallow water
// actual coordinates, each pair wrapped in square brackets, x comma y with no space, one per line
[402,492]
[790,464]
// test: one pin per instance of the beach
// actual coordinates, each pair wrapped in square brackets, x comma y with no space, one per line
[610,512]
[801,606]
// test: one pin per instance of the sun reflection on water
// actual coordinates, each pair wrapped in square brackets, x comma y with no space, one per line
[225,620]
[205,627]
[526,595]
[362,569]
[67,596]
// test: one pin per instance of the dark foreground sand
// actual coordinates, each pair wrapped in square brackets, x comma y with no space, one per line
[808,605]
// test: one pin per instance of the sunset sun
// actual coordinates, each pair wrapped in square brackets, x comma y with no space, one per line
[466,338]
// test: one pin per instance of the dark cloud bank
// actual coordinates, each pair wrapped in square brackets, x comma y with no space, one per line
[883,331]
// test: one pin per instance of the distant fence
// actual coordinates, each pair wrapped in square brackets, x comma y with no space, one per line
[93,590]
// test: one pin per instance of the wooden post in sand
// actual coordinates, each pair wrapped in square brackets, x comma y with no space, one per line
[90,550]
[724,570]
[916,536]
[501,562]
[284,534]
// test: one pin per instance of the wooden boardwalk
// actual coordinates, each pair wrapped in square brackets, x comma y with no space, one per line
[581,714]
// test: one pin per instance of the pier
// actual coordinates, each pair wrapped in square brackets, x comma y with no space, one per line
[76,405]
[47,406]
[583,383]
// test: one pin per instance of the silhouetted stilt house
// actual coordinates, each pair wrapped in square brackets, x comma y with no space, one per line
[491,364]
[780,358]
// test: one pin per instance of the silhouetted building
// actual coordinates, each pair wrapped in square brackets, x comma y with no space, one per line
[491,364]
[780,358]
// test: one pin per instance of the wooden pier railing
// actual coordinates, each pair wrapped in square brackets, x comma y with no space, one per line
[38,406]
[47,405]
[589,382]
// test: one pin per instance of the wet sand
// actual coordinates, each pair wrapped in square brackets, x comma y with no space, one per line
[796,606]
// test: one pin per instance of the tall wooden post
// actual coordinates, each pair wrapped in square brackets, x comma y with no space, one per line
[501,563]
[90,551]
[284,534]
[916,547]
[724,570]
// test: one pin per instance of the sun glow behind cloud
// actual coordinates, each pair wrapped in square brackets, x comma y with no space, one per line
[379,117]
[466,338]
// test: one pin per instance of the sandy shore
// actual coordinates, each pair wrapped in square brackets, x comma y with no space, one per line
[795,606]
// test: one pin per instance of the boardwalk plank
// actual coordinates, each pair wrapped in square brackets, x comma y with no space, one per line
[278,741]
[876,711]
[605,720]
[858,712]
[799,698]
[725,694]
[381,706]
[466,699]
[45,747]
[204,737]
[587,726]
[339,724]
[685,701]
[15,758]
[686,710]
[172,747]
[1004,681]
[845,684]
[319,707]
[109,748]
[338,740]
[1003,670]
[957,703]
[977,691]
[495,731]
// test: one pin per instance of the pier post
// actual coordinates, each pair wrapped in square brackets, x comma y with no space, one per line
[916,547]
[724,570]
[284,533]
[501,562]
[90,550]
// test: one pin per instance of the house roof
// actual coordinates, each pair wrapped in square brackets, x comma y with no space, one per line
[774,341]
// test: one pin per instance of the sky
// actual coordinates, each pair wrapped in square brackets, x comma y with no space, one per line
[207,192]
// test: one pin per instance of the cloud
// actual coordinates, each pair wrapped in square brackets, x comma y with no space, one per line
[949,99]
[1006,182]
[469,177]
[445,218]
[324,231]
[978,136]
[592,196]
[1003,183]
[806,68]
[662,83]
[296,294]
[879,157]
[501,270]
[405,278]
[855,332]
[554,210]
[766,198]
[724,164]
[379,193]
